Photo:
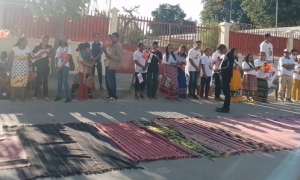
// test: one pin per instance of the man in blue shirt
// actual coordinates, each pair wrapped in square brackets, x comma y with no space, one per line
[97,51]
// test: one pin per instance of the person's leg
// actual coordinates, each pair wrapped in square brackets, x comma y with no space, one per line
[294,89]
[99,70]
[107,82]
[195,84]
[81,86]
[207,86]
[142,85]
[150,84]
[12,97]
[38,81]
[226,91]
[23,93]
[136,86]
[298,90]
[191,81]
[73,89]
[65,77]
[112,84]
[59,85]
[202,86]
[289,84]
[217,85]
[154,83]
[282,86]
[46,71]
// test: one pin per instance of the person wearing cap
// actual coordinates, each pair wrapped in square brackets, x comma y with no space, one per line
[267,47]
[62,57]
[296,81]
[41,53]
[286,67]
[194,67]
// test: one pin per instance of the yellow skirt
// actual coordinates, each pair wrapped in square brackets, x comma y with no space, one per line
[236,87]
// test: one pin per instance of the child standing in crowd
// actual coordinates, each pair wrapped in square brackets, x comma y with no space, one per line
[206,63]
[296,81]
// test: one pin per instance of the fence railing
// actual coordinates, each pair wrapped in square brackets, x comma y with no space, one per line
[17,18]
[147,30]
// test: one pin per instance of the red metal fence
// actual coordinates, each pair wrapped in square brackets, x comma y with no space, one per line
[82,30]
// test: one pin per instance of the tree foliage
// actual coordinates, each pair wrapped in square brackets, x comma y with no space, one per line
[171,14]
[257,12]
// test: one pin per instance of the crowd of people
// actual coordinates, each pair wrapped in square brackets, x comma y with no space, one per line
[183,71]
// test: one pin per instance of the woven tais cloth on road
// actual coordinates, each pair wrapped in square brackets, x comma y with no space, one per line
[63,150]
[12,153]
[141,145]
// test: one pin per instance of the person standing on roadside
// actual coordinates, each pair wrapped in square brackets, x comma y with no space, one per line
[115,58]
[97,51]
[193,65]
[267,47]
[153,70]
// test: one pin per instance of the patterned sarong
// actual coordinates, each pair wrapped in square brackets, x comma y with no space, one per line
[262,90]
[170,90]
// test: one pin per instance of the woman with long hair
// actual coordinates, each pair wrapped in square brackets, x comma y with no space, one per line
[18,67]
[169,82]
[180,56]
[226,70]
[236,86]
[249,78]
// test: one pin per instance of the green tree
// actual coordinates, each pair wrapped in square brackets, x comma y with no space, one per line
[263,12]
[61,9]
[171,14]
[219,10]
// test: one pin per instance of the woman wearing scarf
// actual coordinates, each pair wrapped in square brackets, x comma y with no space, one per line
[226,70]
[180,56]
[169,82]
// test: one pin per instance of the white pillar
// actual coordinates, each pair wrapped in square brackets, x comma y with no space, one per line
[290,40]
[224,33]
[1,13]
[113,25]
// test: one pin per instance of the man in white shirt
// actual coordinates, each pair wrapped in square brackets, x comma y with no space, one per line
[286,65]
[217,58]
[62,57]
[140,66]
[207,65]
[267,48]
[193,66]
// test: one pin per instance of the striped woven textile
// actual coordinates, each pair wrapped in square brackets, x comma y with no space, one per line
[69,149]
[141,145]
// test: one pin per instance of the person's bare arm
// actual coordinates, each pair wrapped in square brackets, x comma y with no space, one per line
[10,61]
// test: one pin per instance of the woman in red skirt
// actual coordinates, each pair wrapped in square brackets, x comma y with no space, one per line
[249,78]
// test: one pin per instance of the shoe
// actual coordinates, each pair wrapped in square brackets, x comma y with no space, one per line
[111,99]
[73,96]
[191,97]
[142,95]
[221,110]
[206,98]
[90,96]
[289,100]
[136,96]
[33,99]
[281,99]
[195,96]
[57,99]
[219,99]
[68,100]
[47,99]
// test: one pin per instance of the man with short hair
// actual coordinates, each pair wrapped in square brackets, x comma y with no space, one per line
[217,59]
[294,54]
[286,65]
[97,51]
[267,47]
[193,67]
[115,57]
[153,70]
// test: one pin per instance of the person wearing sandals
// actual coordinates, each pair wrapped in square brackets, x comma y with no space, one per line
[42,52]
[18,67]
[249,78]
[140,67]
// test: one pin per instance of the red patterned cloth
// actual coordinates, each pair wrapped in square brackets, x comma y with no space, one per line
[170,91]
[249,82]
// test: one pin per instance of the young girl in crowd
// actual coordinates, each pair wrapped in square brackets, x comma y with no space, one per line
[236,81]
[296,81]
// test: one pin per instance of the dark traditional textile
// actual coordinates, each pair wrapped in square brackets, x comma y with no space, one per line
[262,90]
[63,150]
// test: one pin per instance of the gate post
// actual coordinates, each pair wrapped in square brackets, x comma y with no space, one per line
[290,40]
[113,24]
[224,33]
